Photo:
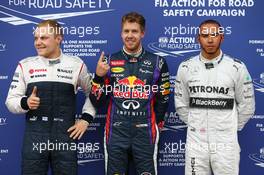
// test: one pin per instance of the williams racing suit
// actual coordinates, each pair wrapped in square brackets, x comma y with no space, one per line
[136,90]
[57,81]
[216,99]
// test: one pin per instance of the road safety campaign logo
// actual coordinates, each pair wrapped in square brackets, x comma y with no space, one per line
[258,158]
[3,152]
[259,83]
[176,41]
[15,17]
[89,152]
[173,123]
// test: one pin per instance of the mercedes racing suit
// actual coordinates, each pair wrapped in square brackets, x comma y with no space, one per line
[216,99]
[137,92]
[57,81]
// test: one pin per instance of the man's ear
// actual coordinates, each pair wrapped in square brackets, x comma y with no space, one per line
[222,37]
[58,38]
[142,34]
[198,38]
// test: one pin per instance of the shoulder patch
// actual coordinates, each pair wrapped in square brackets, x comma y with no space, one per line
[188,59]
[237,60]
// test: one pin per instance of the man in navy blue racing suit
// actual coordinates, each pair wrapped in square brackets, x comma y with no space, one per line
[134,83]
[44,87]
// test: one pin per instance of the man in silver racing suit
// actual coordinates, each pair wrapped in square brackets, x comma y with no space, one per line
[214,96]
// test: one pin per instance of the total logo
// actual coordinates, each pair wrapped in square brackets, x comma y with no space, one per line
[3,121]
[259,83]
[258,158]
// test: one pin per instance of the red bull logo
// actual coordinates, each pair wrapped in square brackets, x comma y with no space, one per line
[130,90]
[131,82]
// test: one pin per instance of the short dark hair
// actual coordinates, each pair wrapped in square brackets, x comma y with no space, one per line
[53,24]
[210,21]
[134,17]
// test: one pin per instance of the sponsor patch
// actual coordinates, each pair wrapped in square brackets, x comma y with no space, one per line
[117,69]
[117,63]
[212,103]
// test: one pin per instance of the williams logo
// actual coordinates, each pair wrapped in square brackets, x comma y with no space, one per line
[15,17]
[258,158]
[259,83]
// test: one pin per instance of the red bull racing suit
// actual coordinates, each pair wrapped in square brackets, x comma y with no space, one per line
[57,81]
[216,99]
[137,92]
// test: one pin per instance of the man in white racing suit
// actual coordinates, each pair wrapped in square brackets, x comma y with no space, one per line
[214,96]
[44,87]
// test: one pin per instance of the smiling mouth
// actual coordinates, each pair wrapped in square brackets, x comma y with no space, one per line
[40,48]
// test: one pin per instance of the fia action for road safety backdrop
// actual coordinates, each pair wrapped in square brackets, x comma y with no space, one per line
[92,26]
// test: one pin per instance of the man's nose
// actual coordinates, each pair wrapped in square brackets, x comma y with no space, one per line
[210,38]
[129,34]
[37,41]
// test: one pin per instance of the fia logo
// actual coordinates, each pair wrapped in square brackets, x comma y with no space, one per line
[258,158]
[259,83]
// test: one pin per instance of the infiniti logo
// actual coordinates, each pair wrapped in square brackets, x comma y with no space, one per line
[131,104]
[147,62]
[145,173]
